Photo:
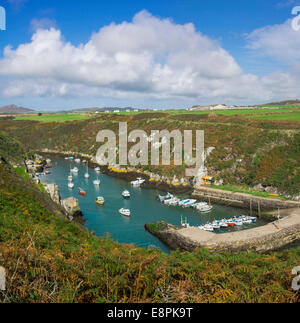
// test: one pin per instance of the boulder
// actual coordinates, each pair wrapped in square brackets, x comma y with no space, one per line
[259,187]
[271,189]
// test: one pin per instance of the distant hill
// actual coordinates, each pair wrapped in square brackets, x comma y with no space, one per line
[286,102]
[14,109]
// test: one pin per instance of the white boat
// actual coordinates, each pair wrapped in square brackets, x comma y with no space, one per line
[126,194]
[97,182]
[172,201]
[245,219]
[125,212]
[239,223]
[77,161]
[71,185]
[200,205]
[138,182]
[48,161]
[162,198]
[208,227]
[97,169]
[216,225]
[205,208]
[187,203]
[87,175]
[70,178]
[75,170]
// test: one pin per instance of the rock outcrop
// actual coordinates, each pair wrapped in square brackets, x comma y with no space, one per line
[72,208]
[53,191]
[70,205]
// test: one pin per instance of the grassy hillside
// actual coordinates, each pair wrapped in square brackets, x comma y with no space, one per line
[51,260]
[248,151]
[10,150]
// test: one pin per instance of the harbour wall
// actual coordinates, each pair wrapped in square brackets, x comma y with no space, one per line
[258,205]
[270,237]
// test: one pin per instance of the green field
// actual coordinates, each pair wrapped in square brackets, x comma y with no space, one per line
[54,117]
[219,112]
[293,116]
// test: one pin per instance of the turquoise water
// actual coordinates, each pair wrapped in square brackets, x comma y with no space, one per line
[143,205]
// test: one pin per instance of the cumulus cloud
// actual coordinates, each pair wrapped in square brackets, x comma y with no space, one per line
[282,43]
[148,57]
[279,41]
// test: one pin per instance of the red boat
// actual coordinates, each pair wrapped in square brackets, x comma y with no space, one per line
[230,224]
[81,192]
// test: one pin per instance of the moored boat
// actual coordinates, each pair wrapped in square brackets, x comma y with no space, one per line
[100,200]
[138,182]
[125,212]
[126,194]
[97,182]
[187,203]
[81,192]
[162,198]
[87,175]
[71,185]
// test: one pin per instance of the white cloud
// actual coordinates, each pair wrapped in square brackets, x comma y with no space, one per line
[279,41]
[148,57]
[43,23]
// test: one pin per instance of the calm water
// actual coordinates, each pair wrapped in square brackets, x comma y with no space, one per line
[143,205]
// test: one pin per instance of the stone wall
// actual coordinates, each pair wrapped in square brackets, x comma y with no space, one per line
[243,200]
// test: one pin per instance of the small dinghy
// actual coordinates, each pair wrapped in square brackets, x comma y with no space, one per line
[97,169]
[75,170]
[126,194]
[81,192]
[125,212]
[100,201]
[71,185]
[77,161]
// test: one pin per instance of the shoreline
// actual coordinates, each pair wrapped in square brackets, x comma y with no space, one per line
[261,206]
[128,175]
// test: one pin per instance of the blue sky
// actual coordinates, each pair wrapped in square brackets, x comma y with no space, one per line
[234,32]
